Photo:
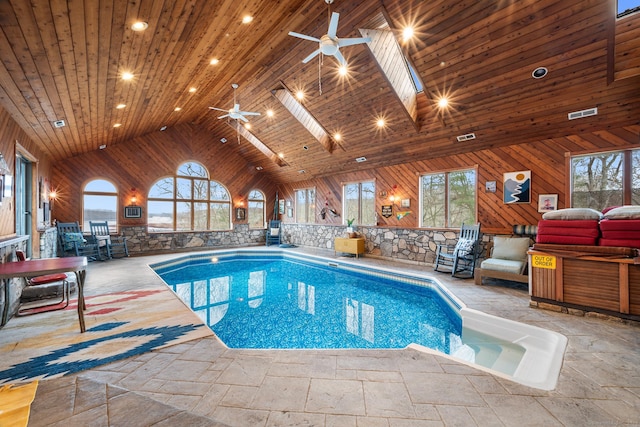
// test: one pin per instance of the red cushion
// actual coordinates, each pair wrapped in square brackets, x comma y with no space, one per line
[620,234]
[49,278]
[620,224]
[565,240]
[583,223]
[625,243]
[566,231]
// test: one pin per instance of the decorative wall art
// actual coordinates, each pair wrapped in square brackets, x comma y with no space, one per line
[547,202]
[281,207]
[132,212]
[241,213]
[517,187]
[490,187]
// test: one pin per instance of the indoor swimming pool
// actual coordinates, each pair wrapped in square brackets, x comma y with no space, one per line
[257,299]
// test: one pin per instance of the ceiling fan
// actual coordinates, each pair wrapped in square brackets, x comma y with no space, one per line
[235,113]
[330,44]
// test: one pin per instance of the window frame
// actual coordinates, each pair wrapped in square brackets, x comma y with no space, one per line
[359,218]
[113,228]
[447,215]
[309,207]
[194,198]
[263,200]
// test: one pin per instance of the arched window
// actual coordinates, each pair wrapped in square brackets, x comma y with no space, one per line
[256,209]
[100,203]
[188,202]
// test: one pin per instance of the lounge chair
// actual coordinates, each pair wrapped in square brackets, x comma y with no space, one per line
[112,246]
[462,257]
[71,242]
[273,233]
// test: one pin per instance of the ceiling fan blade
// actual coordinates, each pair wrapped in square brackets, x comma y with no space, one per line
[222,117]
[218,109]
[304,36]
[236,108]
[249,113]
[243,118]
[340,58]
[310,57]
[333,25]
[350,42]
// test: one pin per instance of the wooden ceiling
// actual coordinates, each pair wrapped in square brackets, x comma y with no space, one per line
[62,60]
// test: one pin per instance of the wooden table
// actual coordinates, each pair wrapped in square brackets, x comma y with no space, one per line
[40,267]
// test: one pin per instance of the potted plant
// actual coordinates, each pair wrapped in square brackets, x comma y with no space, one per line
[350,231]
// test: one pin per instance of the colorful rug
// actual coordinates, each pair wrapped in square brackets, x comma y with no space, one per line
[119,325]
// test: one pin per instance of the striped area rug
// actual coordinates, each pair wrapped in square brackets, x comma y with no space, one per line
[119,325]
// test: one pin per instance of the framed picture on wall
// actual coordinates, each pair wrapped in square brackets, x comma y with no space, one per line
[281,207]
[547,202]
[133,212]
[517,187]
[240,213]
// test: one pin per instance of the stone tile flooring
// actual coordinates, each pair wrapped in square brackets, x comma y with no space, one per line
[202,383]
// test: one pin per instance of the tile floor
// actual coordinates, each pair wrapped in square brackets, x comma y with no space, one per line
[201,383]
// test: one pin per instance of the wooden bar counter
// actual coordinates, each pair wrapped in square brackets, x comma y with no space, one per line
[587,278]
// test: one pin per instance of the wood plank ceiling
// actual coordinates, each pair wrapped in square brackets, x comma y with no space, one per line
[63,59]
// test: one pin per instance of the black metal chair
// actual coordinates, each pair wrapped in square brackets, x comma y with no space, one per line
[71,242]
[113,246]
[462,257]
[274,232]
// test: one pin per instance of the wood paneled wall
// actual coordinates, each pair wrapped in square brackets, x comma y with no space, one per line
[135,165]
[545,159]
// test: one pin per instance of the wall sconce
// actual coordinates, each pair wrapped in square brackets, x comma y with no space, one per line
[240,201]
[392,195]
[134,197]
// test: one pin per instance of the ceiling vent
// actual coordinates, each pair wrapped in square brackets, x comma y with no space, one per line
[466,137]
[361,159]
[58,123]
[223,140]
[584,113]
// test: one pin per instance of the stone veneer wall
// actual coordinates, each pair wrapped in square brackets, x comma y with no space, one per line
[406,244]
[139,241]
[48,242]
[8,249]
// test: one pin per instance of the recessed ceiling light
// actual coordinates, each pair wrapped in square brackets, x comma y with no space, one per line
[337,136]
[117,125]
[361,159]
[59,123]
[300,95]
[214,61]
[163,128]
[407,33]
[270,113]
[247,19]
[302,171]
[177,109]
[443,102]
[539,73]
[380,123]
[121,106]
[127,75]
[305,147]
[139,26]
[192,89]
[247,126]
[259,168]
[281,155]
[103,146]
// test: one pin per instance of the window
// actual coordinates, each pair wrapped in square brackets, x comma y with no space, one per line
[305,205]
[359,202]
[189,201]
[448,199]
[256,209]
[605,179]
[100,203]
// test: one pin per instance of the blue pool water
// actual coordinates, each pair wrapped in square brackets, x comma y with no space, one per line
[282,303]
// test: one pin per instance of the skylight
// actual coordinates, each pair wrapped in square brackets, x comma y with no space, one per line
[627,7]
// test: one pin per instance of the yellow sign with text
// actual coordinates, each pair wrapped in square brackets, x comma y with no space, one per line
[543,261]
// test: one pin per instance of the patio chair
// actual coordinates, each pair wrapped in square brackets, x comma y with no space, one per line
[71,242]
[462,257]
[508,260]
[44,293]
[273,232]
[112,246]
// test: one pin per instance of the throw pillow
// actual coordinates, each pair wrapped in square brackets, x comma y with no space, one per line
[465,247]
[573,214]
[71,238]
[624,212]
[510,248]
[275,231]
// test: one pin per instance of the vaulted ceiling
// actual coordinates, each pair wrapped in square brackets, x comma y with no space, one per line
[64,59]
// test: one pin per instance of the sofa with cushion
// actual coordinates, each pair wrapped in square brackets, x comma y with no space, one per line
[508,260]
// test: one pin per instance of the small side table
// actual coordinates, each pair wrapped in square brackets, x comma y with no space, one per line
[351,246]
